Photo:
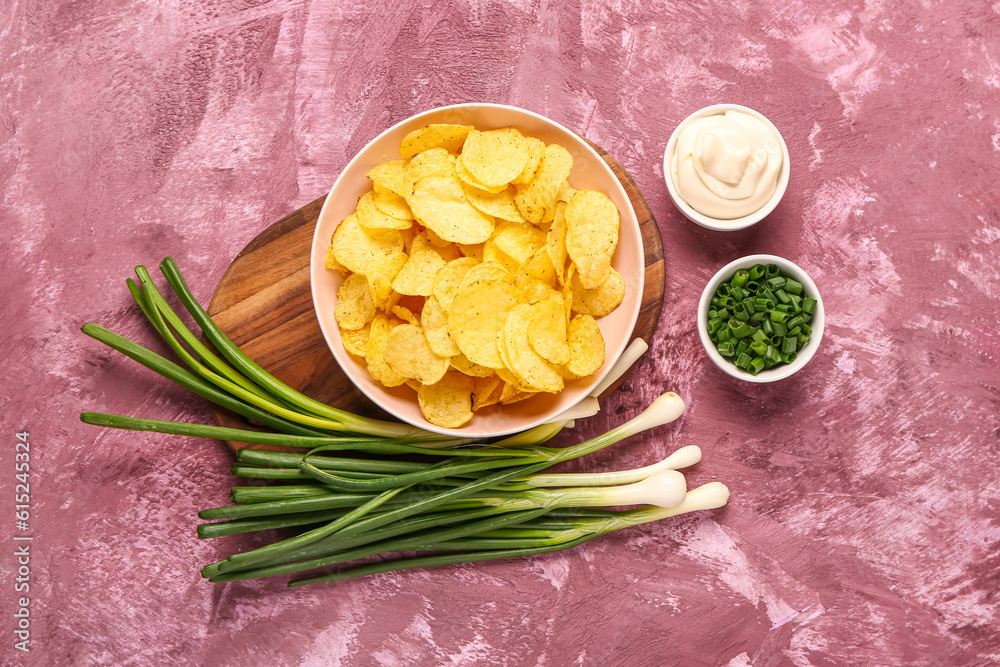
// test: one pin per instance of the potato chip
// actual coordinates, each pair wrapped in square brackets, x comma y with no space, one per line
[354,307]
[371,217]
[380,273]
[392,204]
[555,242]
[495,157]
[432,162]
[391,176]
[448,402]
[592,223]
[462,364]
[518,240]
[434,320]
[565,192]
[477,312]
[378,338]
[356,341]
[512,395]
[405,314]
[486,272]
[498,204]
[435,135]
[586,347]
[416,278]
[536,291]
[471,250]
[440,205]
[330,262]
[449,278]
[529,367]
[601,300]
[536,149]
[538,267]
[355,247]
[408,353]
[486,391]
[539,195]
[547,332]
[493,255]
[466,177]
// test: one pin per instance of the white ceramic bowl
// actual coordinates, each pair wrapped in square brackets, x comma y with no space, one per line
[716,223]
[589,172]
[803,356]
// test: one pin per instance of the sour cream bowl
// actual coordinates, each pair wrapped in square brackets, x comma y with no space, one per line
[730,158]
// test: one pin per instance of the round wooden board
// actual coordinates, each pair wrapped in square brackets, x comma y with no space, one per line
[264,304]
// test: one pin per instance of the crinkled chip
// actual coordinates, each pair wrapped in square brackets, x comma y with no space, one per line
[495,157]
[354,247]
[518,240]
[592,223]
[416,278]
[538,267]
[356,340]
[555,242]
[449,278]
[477,312]
[408,353]
[392,204]
[436,135]
[330,262]
[434,320]
[462,364]
[494,255]
[486,391]
[469,179]
[486,272]
[372,217]
[380,272]
[586,347]
[391,176]
[601,300]
[498,204]
[448,402]
[440,205]
[530,368]
[539,195]
[536,149]
[354,307]
[405,314]
[547,332]
[378,338]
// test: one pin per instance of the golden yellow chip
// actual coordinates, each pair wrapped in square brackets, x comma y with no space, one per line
[495,157]
[356,341]
[493,255]
[471,250]
[555,242]
[586,347]
[547,332]
[601,300]
[392,204]
[538,267]
[354,307]
[592,223]
[434,320]
[354,247]
[466,177]
[477,312]
[486,272]
[536,149]
[511,395]
[518,240]
[380,272]
[378,338]
[535,291]
[498,204]
[435,135]
[440,205]
[449,278]
[539,195]
[486,391]
[416,278]
[461,364]
[391,176]
[565,193]
[529,367]
[448,402]
[372,217]
[332,263]
[408,353]
[405,314]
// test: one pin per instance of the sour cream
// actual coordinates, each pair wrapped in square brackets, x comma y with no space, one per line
[726,166]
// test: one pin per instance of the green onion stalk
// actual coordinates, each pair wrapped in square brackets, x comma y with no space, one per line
[362,487]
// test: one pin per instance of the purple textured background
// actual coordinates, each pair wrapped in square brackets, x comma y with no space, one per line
[865,519]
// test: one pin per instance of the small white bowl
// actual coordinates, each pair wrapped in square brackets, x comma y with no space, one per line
[716,223]
[817,324]
[590,171]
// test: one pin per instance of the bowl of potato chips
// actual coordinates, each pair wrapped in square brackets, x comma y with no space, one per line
[477,269]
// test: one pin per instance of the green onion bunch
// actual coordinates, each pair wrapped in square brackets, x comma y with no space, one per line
[374,496]
[759,318]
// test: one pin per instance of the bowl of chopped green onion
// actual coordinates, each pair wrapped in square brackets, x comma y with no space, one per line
[761,318]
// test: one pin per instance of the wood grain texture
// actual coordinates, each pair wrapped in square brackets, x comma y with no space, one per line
[264,304]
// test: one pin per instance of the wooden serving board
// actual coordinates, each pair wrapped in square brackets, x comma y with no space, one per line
[264,304]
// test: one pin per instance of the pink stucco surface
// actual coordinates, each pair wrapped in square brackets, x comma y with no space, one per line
[864,524]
